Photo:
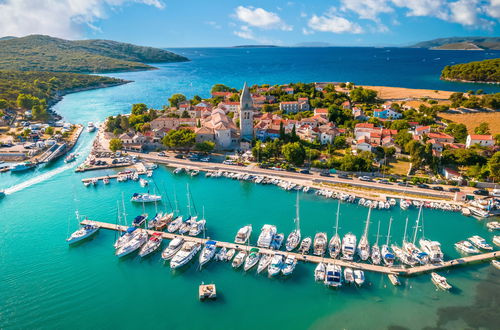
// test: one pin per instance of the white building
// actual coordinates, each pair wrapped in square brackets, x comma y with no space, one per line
[481,140]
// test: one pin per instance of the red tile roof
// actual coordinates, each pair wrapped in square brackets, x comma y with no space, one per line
[365,125]
[481,137]
[439,135]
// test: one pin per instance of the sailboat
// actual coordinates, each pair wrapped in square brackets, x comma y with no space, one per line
[334,245]
[363,246]
[84,232]
[348,246]
[198,226]
[410,248]
[400,252]
[387,254]
[293,240]
[432,248]
[375,256]
[186,225]
[177,222]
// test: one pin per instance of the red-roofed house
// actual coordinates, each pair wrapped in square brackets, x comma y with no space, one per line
[421,130]
[288,90]
[323,112]
[441,137]
[482,140]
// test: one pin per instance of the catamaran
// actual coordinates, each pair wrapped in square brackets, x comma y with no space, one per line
[289,265]
[293,239]
[320,272]
[480,242]
[266,236]
[440,281]
[264,262]
[364,246]
[243,234]
[208,252]
[375,255]
[276,265]
[173,247]
[333,276]
[145,198]
[320,244]
[387,254]
[186,253]
[133,245]
[348,246]
[334,245]
[84,232]
[305,245]
[152,245]
[252,259]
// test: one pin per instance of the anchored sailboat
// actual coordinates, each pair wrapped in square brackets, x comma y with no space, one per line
[364,246]
[387,254]
[293,239]
[334,245]
[375,256]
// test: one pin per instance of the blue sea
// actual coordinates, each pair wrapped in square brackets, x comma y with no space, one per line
[45,284]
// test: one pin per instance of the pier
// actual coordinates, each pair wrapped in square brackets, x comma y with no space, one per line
[397,270]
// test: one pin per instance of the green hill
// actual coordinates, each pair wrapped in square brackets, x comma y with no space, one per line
[45,53]
[481,71]
[457,43]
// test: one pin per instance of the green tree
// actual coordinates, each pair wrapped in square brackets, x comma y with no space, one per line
[483,128]
[179,138]
[402,138]
[3,104]
[115,144]
[360,94]
[205,146]
[185,114]
[139,108]
[176,99]
[49,130]
[294,153]
[458,131]
[339,141]
[494,166]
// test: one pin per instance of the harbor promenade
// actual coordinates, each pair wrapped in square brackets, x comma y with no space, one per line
[398,270]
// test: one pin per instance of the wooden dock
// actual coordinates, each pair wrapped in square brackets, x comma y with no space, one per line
[397,270]
[111,176]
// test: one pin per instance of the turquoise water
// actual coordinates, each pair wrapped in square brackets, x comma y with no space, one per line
[46,284]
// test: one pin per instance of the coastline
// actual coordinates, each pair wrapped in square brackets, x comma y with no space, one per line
[470,81]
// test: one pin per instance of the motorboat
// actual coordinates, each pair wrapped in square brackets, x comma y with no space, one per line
[139,220]
[264,262]
[20,167]
[90,127]
[208,252]
[348,246]
[178,170]
[84,232]
[276,264]
[230,254]
[320,244]
[333,276]
[145,198]
[305,245]
[173,247]
[495,264]
[252,259]
[175,224]
[221,255]
[197,227]
[493,225]
[70,158]
[266,236]
[164,220]
[466,247]
[496,240]
[239,259]
[320,272]
[243,234]
[105,180]
[277,241]
[143,182]
[440,281]
[394,279]
[359,277]
[194,173]
[125,237]
[289,265]
[151,245]
[185,254]
[433,250]
[133,245]
[293,240]
[480,243]
[348,275]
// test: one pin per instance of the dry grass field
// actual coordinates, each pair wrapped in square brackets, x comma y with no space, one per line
[472,120]
[399,93]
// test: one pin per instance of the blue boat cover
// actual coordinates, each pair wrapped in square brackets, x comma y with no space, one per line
[211,243]
[135,195]
[131,229]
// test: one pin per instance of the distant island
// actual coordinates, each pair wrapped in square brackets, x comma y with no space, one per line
[45,53]
[480,71]
[256,46]
[461,43]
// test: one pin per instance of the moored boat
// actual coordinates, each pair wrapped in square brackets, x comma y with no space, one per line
[185,254]
[277,241]
[173,247]
[493,225]
[243,234]
[320,272]
[145,198]
[359,277]
[333,275]
[394,279]
[495,264]
[276,265]
[480,242]
[151,245]
[305,245]
[440,281]
[466,247]
[208,252]
[348,275]
[252,259]
[293,240]
[334,246]
[133,245]
[266,236]
[289,265]
[348,246]
[496,240]
[84,232]
[264,262]
[239,259]
[175,224]
[125,237]
[320,244]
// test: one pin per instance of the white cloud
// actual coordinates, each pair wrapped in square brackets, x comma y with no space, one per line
[261,18]
[246,32]
[333,23]
[466,12]
[435,8]
[61,18]
[307,31]
[367,9]
[493,9]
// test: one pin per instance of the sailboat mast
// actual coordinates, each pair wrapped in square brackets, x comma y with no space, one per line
[337,219]
[367,222]
[389,232]
[416,224]
[297,215]
[406,227]
[188,203]
[378,232]
[124,211]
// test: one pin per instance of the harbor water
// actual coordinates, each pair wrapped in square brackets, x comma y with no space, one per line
[46,284]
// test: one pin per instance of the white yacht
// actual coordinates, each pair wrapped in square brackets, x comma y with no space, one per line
[493,225]
[480,242]
[252,259]
[364,246]
[186,253]
[133,245]
[264,262]
[90,127]
[186,225]
[495,264]
[333,276]
[320,244]
[320,272]
[335,245]
[387,253]
[143,182]
[496,240]
[208,252]
[359,277]
[266,236]
[277,241]
[243,234]
[197,227]
[375,254]
[305,245]
[440,281]
[466,247]
[239,259]
[125,237]
[230,254]
[84,232]
[276,265]
[348,246]
[289,265]
[173,247]
[293,240]
[152,245]
[433,250]
[175,224]
[348,275]
[145,198]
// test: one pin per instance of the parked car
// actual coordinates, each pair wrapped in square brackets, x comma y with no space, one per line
[438,188]
[205,159]
[403,184]
[365,178]
[481,192]
[305,171]
[343,176]
[325,173]
[179,156]
[423,186]
[384,181]
[161,154]
[452,189]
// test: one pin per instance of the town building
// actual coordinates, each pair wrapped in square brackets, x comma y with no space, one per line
[481,140]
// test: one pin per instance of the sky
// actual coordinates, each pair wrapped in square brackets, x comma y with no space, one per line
[202,23]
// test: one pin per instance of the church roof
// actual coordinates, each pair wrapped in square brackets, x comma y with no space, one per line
[246,98]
